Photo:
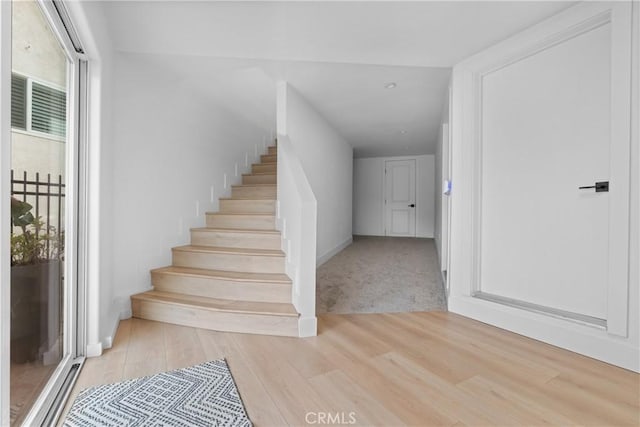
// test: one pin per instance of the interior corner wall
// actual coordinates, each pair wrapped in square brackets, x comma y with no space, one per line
[437,198]
[327,160]
[176,151]
[439,180]
[368,195]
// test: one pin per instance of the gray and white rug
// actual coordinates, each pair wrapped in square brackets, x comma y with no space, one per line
[200,395]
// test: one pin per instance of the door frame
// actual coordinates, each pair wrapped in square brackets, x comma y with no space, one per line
[5,210]
[384,192]
[49,404]
[465,250]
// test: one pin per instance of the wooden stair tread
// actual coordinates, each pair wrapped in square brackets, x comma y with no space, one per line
[238,251]
[258,199]
[256,185]
[235,230]
[256,214]
[248,199]
[226,275]
[232,276]
[251,198]
[245,307]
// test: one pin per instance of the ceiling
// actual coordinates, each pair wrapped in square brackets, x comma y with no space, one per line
[339,55]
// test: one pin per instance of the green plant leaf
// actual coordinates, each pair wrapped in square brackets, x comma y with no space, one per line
[20,213]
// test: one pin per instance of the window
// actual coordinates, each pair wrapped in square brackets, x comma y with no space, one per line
[18,102]
[37,107]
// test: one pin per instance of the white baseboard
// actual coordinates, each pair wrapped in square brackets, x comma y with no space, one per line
[121,309]
[307,326]
[94,350]
[328,255]
[425,236]
[587,340]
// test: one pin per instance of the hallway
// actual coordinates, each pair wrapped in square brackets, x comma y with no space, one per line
[381,275]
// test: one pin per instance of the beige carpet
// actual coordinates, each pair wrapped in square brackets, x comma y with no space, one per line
[381,275]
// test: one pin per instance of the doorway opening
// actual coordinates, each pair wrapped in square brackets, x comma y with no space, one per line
[392,264]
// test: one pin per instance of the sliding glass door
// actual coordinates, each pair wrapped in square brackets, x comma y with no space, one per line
[45,122]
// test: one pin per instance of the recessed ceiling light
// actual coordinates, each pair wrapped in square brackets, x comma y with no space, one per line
[390,85]
[403,131]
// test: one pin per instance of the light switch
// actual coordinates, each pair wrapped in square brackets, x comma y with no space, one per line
[446,187]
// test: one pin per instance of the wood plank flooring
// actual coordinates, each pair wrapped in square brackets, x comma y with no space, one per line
[421,369]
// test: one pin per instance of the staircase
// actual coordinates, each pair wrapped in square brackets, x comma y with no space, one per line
[231,277]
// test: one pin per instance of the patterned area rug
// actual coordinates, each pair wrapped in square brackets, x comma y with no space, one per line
[201,395]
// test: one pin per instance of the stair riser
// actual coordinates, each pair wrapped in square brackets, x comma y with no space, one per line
[248,206]
[264,168]
[273,150]
[270,192]
[251,222]
[235,240]
[222,289]
[269,158]
[229,262]
[215,320]
[260,179]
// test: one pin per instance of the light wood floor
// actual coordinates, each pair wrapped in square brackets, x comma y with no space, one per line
[423,369]
[27,381]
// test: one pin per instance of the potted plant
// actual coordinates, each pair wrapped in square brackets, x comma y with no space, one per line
[35,284]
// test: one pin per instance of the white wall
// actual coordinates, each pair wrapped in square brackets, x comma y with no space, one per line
[439,167]
[35,50]
[176,151]
[368,195]
[425,189]
[327,160]
[297,220]
[437,197]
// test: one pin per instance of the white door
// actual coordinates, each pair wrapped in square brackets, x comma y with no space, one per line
[545,131]
[400,198]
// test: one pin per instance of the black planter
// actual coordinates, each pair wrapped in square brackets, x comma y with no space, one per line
[35,308]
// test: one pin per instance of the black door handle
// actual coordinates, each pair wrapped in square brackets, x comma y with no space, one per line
[413,205]
[600,186]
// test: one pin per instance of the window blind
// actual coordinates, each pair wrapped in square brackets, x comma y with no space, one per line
[18,102]
[48,110]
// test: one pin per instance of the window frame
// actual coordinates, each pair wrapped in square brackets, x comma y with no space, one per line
[29,107]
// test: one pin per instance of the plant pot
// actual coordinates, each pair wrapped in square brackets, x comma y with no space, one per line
[35,308]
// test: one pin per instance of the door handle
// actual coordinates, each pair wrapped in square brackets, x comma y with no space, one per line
[600,186]
[412,205]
